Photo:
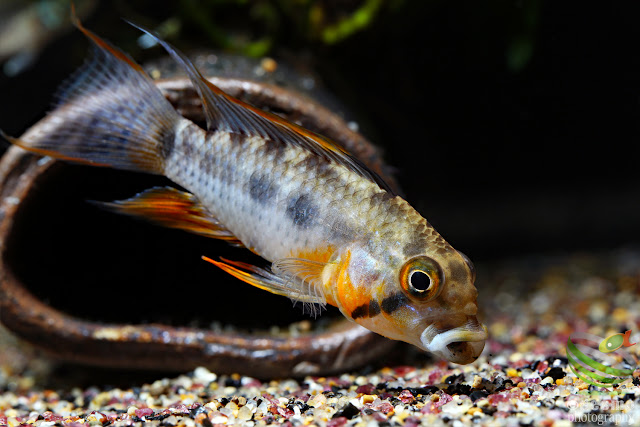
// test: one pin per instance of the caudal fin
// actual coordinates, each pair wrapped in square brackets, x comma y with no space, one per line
[109,114]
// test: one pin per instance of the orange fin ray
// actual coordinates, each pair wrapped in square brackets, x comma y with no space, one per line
[173,208]
[46,152]
[291,286]
[100,43]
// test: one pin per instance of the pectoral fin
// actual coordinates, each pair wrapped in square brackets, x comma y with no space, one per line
[297,279]
[173,208]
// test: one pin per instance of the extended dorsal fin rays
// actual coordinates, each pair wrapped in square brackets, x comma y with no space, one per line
[233,115]
[191,70]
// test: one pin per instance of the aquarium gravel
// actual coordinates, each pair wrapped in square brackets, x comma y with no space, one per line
[531,305]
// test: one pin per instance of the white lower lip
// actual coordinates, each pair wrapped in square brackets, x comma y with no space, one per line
[437,342]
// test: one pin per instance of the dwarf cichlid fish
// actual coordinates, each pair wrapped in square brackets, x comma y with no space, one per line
[333,231]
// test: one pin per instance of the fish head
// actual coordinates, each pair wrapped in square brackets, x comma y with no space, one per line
[427,299]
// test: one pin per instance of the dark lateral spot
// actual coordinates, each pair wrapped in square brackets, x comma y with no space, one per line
[302,211]
[393,302]
[360,311]
[374,308]
[261,188]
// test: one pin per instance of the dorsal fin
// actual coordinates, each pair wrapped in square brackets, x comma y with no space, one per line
[222,111]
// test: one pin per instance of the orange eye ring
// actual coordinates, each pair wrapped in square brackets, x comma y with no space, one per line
[422,278]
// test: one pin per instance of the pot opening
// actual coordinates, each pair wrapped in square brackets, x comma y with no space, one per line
[104,267]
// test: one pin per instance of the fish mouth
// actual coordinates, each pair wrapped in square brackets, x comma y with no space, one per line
[462,344]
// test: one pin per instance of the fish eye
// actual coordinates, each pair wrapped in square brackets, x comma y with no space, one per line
[470,265]
[421,278]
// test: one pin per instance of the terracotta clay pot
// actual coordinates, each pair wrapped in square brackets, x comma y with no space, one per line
[96,288]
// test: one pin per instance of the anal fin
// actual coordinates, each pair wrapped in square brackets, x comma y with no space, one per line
[173,208]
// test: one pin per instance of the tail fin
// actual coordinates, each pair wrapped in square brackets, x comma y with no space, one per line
[109,114]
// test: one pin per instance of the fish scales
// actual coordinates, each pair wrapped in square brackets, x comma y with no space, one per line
[277,202]
[332,231]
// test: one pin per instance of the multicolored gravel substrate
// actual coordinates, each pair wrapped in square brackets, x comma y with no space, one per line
[531,306]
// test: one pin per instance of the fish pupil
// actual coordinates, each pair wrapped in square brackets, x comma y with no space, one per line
[420,281]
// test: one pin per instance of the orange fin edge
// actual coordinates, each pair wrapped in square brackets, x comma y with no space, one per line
[101,43]
[50,153]
[234,269]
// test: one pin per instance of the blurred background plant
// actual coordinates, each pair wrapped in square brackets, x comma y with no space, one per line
[250,27]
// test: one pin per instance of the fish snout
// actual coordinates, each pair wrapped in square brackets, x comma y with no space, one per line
[462,344]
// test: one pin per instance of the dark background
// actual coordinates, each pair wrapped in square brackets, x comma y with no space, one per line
[514,126]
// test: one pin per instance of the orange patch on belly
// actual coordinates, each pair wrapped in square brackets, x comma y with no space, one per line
[349,296]
[316,254]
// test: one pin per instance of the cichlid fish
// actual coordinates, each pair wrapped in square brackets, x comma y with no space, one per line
[333,231]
